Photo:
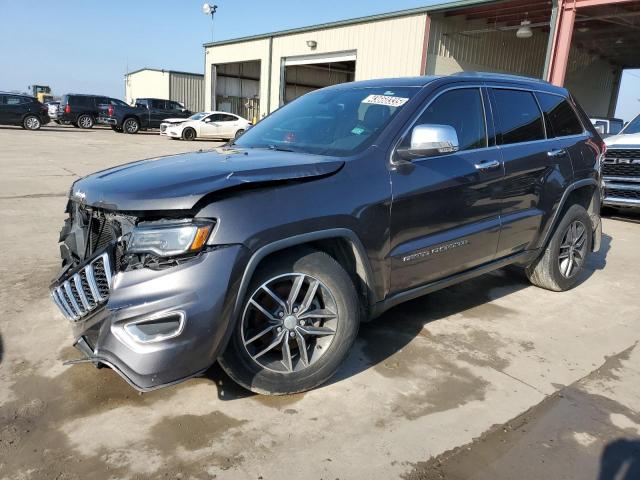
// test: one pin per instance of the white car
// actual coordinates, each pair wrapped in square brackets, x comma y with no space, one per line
[207,125]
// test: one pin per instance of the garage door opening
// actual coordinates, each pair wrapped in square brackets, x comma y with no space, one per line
[305,74]
[237,88]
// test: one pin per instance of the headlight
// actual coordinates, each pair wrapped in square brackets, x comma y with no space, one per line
[170,239]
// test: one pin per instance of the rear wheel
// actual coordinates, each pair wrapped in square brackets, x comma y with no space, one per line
[85,121]
[31,122]
[131,126]
[238,133]
[564,258]
[189,134]
[299,320]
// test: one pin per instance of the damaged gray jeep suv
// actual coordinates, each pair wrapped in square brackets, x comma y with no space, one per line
[267,253]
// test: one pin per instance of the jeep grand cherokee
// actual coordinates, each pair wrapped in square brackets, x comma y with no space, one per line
[266,254]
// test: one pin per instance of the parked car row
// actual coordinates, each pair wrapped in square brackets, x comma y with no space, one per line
[84,111]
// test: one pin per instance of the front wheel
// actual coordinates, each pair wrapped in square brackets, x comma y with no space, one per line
[31,122]
[189,134]
[131,126]
[299,320]
[564,258]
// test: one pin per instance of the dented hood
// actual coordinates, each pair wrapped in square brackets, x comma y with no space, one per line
[177,182]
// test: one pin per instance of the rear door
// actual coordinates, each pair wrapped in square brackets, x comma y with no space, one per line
[12,108]
[228,125]
[445,215]
[536,168]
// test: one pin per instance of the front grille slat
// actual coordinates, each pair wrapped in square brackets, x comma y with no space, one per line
[82,293]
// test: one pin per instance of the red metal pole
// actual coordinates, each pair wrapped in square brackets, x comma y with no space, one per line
[425,44]
[562,42]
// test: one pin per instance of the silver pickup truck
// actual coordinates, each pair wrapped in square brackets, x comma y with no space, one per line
[621,167]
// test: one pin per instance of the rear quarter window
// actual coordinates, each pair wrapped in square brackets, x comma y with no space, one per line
[560,117]
[519,119]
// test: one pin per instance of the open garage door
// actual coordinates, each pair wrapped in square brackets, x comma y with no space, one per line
[237,88]
[304,74]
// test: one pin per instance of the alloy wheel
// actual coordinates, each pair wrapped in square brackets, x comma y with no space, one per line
[289,323]
[32,123]
[85,121]
[573,249]
[131,126]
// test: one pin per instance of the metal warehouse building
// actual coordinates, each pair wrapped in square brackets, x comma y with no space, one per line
[183,87]
[581,44]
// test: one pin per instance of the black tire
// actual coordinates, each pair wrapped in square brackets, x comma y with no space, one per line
[189,134]
[75,124]
[131,126]
[546,272]
[31,122]
[315,265]
[116,129]
[85,121]
[238,133]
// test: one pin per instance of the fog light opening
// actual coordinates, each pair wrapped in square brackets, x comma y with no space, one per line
[156,329]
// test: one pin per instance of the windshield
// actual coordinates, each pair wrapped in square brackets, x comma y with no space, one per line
[329,122]
[633,126]
[197,116]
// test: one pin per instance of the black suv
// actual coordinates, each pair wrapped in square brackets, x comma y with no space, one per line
[146,113]
[81,110]
[23,110]
[266,254]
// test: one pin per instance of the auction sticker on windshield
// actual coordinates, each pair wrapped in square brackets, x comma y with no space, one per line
[385,100]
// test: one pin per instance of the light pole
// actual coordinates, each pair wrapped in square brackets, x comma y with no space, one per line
[209,9]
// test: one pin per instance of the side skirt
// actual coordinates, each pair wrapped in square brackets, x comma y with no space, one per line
[521,258]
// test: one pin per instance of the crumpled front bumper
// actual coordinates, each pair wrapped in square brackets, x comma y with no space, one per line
[201,291]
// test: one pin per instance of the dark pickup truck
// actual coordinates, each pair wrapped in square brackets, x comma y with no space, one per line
[147,113]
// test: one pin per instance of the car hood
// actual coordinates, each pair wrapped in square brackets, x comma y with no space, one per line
[178,182]
[174,120]
[626,140]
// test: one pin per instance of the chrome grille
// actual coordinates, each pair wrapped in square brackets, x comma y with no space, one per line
[80,294]
[612,166]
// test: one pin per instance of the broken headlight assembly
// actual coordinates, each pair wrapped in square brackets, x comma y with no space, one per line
[164,243]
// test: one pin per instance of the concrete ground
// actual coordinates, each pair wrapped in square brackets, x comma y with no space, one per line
[491,378]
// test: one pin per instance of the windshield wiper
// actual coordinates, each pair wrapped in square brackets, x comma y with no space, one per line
[279,149]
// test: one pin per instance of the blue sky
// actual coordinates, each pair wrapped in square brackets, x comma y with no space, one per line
[85,46]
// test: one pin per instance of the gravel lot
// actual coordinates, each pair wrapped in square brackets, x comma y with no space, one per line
[491,378]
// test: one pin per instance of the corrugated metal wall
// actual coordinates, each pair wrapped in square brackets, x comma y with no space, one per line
[591,80]
[187,89]
[451,51]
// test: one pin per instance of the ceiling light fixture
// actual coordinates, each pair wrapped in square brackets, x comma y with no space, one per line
[525,30]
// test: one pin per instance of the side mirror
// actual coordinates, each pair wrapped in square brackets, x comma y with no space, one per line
[429,141]
[600,129]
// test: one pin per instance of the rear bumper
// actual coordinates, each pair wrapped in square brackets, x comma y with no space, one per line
[199,291]
[107,121]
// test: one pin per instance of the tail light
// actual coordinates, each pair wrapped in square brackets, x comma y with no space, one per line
[110,110]
[67,108]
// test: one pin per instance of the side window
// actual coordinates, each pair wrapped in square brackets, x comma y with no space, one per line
[144,102]
[3,100]
[175,105]
[227,118]
[519,118]
[13,100]
[461,109]
[559,115]
[217,117]
[159,104]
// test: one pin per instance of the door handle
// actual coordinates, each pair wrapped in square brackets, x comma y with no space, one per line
[487,165]
[557,153]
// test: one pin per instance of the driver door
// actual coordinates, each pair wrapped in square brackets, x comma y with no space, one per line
[445,215]
[210,127]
